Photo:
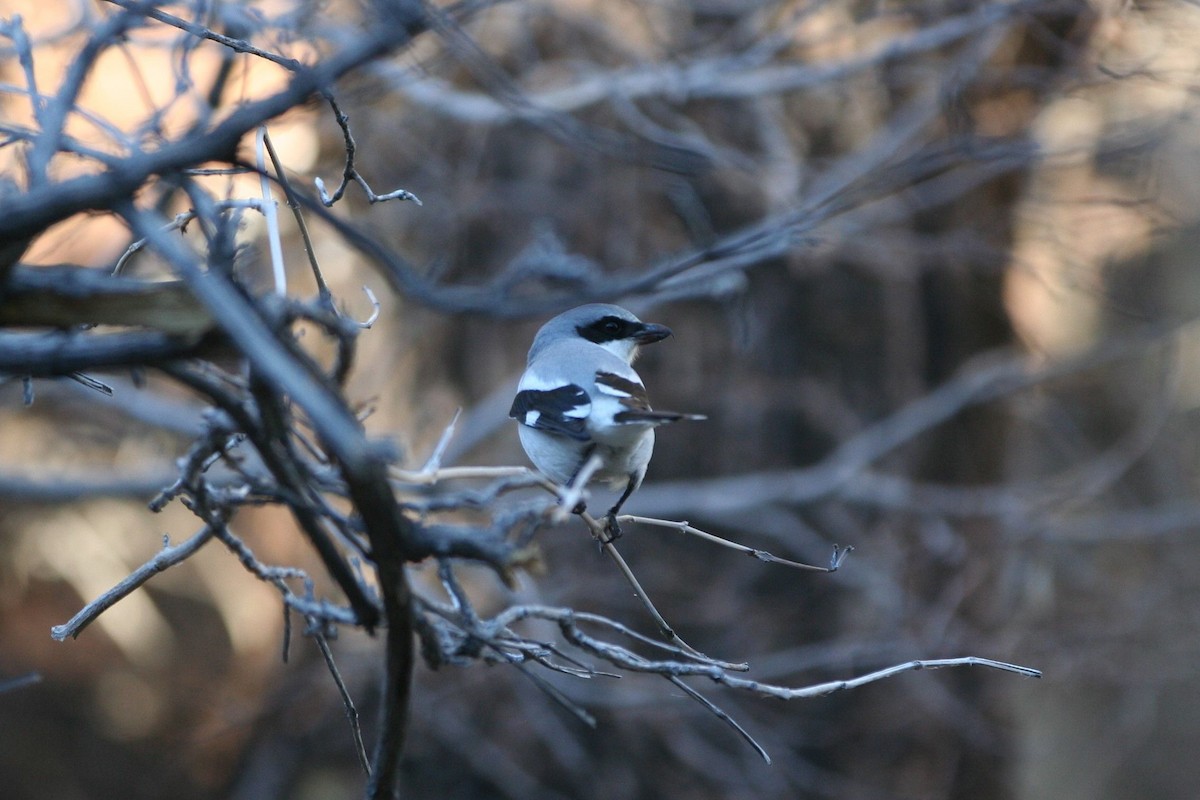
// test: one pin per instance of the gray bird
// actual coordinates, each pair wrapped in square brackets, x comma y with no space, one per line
[580,396]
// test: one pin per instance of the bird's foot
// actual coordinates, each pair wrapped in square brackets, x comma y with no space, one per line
[612,528]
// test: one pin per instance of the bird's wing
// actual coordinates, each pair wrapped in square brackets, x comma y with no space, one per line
[629,392]
[562,410]
[635,404]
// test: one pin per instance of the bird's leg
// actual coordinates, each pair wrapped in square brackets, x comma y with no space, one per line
[611,527]
[581,506]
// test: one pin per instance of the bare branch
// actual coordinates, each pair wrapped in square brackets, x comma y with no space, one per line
[984,379]
[45,204]
[350,172]
[726,77]
[54,114]
[284,430]
[666,630]
[721,715]
[761,555]
[199,31]
[347,702]
[43,355]
[168,557]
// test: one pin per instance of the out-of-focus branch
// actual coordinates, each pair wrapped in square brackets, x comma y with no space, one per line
[984,379]
[718,78]
[67,296]
[50,354]
[74,488]
[43,205]
[199,31]
[21,682]
[54,115]
[852,187]
[242,322]
[281,427]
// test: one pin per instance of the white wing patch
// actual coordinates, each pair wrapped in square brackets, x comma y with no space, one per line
[536,383]
[531,417]
[612,391]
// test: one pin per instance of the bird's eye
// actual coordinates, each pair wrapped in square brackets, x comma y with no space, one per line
[605,329]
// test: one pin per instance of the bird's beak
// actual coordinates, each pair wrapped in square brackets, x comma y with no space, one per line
[651,332]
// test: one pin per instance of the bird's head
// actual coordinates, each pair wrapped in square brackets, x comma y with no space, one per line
[612,327]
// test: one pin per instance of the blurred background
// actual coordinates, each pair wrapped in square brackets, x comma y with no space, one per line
[944,312]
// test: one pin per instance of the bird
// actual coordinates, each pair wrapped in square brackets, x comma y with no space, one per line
[580,396]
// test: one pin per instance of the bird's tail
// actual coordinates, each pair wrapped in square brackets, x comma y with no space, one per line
[648,417]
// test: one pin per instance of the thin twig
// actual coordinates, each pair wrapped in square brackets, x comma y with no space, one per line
[166,558]
[422,478]
[270,212]
[434,462]
[721,714]
[199,31]
[376,307]
[350,172]
[91,383]
[309,250]
[347,702]
[839,554]
[830,687]
[626,659]
[568,622]
[664,628]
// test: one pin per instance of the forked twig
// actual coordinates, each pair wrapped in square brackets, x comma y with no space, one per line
[432,471]
[681,664]
[606,544]
[569,497]
[839,553]
[350,172]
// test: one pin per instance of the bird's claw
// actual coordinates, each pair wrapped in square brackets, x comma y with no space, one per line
[612,529]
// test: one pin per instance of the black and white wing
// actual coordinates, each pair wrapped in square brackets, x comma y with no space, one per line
[561,410]
[635,405]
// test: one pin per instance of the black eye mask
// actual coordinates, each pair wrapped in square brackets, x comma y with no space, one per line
[609,329]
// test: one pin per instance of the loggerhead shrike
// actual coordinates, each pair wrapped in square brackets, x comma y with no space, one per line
[579,396]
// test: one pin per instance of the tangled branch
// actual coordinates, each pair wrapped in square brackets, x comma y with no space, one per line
[278,427]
